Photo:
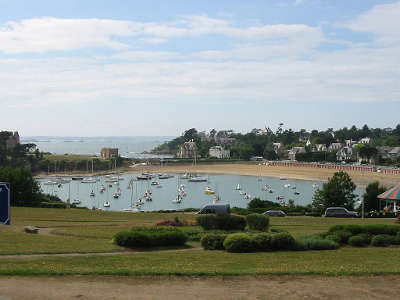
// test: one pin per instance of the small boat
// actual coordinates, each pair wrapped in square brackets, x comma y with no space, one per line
[282,178]
[76,201]
[110,185]
[59,185]
[217,199]
[49,182]
[92,193]
[111,179]
[198,179]
[106,204]
[89,180]
[102,189]
[209,191]
[242,193]
[165,176]
[77,178]
[296,193]
[270,191]
[148,198]
[155,183]
[265,188]
[315,185]
[178,199]
[294,187]
[186,176]
[133,209]
[280,198]
[148,191]
[247,197]
[287,185]
[238,187]
[144,176]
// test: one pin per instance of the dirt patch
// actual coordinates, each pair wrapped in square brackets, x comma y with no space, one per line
[184,288]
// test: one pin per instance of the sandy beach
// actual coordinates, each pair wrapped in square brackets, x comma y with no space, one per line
[304,173]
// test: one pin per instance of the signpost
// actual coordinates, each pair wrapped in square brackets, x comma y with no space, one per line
[4,203]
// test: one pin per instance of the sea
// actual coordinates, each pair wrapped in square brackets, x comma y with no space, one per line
[300,191]
[129,146]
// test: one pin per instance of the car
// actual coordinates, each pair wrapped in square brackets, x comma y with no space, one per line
[215,209]
[340,212]
[275,213]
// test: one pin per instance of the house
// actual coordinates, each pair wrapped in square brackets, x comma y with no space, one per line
[319,148]
[365,140]
[350,143]
[107,153]
[13,140]
[277,147]
[383,151]
[394,153]
[345,153]
[187,150]
[308,143]
[219,152]
[292,153]
[335,146]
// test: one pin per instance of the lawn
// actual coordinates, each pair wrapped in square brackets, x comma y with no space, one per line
[86,231]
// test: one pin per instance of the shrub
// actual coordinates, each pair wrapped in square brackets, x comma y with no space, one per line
[282,241]
[230,222]
[396,240]
[373,229]
[207,222]
[262,242]
[223,222]
[381,240]
[343,236]
[144,237]
[357,241]
[257,222]
[334,238]
[239,242]
[314,242]
[213,241]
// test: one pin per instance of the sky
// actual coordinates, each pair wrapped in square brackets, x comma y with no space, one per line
[143,68]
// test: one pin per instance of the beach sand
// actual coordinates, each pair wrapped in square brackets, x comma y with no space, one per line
[303,173]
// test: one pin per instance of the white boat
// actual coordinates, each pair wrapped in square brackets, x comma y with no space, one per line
[165,176]
[217,199]
[186,176]
[50,182]
[282,178]
[315,185]
[287,185]
[238,187]
[106,204]
[76,201]
[112,180]
[102,189]
[155,183]
[178,199]
[134,210]
[198,179]
[63,180]
[242,193]
[89,180]
[92,194]
[148,198]
[209,191]
[247,197]
[265,188]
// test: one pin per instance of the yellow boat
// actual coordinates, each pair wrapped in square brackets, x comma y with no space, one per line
[209,191]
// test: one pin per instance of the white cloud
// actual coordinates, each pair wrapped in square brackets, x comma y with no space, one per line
[382,20]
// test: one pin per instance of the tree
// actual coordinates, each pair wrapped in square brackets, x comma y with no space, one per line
[367,151]
[337,192]
[371,201]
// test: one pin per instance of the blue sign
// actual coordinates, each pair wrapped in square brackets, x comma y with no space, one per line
[4,203]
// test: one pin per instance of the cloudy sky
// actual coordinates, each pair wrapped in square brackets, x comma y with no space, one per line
[93,68]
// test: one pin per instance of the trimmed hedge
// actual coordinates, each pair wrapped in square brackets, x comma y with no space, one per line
[382,240]
[263,242]
[373,229]
[223,222]
[359,241]
[239,242]
[343,236]
[145,237]
[315,242]
[282,241]
[258,222]
[334,238]
[213,241]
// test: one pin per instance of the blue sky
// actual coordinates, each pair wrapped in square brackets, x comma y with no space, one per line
[159,67]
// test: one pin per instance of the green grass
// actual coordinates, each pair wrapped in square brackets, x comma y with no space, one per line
[345,261]
[87,231]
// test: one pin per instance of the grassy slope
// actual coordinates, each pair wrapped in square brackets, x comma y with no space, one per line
[91,231]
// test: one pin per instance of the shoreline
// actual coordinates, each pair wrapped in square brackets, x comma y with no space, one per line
[245,169]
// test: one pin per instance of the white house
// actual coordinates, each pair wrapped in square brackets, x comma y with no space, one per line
[292,153]
[365,140]
[319,148]
[277,146]
[335,146]
[219,152]
[346,153]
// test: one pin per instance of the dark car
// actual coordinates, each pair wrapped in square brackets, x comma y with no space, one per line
[339,212]
[275,213]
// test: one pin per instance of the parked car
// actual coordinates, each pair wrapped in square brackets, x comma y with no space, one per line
[275,213]
[215,209]
[340,212]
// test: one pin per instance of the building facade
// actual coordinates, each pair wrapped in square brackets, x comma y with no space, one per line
[219,152]
[187,150]
[107,153]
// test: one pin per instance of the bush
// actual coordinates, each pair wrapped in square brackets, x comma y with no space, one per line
[282,241]
[343,236]
[358,241]
[239,242]
[334,238]
[53,205]
[223,222]
[262,242]
[396,240]
[382,240]
[373,229]
[143,237]
[257,222]
[207,222]
[213,241]
[314,242]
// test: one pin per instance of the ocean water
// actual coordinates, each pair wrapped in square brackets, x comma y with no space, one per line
[224,185]
[129,146]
